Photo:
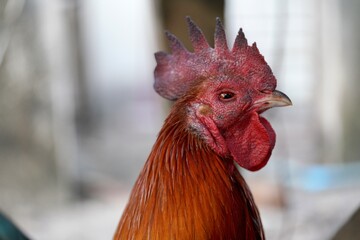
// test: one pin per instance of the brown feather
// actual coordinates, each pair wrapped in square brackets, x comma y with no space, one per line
[187,191]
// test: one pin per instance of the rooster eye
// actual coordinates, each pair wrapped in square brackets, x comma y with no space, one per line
[225,96]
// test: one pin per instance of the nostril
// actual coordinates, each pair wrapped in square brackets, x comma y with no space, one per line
[266,91]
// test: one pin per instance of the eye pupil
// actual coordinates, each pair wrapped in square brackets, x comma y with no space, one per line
[226,95]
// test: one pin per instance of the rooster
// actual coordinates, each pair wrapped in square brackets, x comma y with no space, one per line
[190,187]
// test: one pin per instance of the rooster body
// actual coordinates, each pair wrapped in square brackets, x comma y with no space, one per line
[189,187]
[186,191]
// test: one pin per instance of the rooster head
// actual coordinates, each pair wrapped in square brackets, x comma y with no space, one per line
[225,91]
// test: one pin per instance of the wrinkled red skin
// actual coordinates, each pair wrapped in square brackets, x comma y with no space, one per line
[175,73]
[232,128]
[251,143]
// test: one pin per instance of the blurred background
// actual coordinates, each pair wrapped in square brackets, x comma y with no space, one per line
[78,115]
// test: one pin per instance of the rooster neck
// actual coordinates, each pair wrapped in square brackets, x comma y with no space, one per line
[186,191]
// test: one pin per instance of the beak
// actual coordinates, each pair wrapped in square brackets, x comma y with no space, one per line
[274,99]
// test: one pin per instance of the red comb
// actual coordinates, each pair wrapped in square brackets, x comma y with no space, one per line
[176,72]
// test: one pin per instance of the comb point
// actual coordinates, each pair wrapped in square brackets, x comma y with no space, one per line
[220,37]
[176,45]
[255,48]
[240,41]
[160,57]
[197,37]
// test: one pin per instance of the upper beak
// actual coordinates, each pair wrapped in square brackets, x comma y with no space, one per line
[274,99]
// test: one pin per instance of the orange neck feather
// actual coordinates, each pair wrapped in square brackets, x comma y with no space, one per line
[186,191]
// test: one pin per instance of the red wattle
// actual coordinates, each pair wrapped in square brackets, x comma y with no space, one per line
[251,141]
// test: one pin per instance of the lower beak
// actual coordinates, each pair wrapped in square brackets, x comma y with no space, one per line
[274,99]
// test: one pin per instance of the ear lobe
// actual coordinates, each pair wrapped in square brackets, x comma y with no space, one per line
[209,131]
[203,110]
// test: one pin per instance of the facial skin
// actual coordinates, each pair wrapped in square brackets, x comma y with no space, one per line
[227,118]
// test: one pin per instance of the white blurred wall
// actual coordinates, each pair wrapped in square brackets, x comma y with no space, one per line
[120,39]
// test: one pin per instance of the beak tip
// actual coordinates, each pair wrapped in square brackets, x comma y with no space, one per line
[275,99]
[288,103]
[283,98]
